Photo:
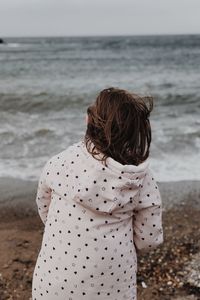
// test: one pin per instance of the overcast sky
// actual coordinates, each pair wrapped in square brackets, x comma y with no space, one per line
[98,17]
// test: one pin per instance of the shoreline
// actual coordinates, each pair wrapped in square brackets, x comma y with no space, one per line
[18,196]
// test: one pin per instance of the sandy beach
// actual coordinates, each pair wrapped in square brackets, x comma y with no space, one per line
[169,272]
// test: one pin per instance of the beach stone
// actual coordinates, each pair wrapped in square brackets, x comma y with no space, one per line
[192,269]
[191,297]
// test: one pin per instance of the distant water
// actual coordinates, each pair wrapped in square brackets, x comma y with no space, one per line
[46,85]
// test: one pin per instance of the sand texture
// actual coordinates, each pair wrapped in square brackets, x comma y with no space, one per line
[169,272]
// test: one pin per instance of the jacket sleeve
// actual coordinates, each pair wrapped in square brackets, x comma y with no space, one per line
[43,197]
[147,220]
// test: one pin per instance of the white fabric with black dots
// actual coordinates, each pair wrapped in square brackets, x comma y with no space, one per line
[96,217]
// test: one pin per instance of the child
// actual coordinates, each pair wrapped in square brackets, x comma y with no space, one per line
[100,204]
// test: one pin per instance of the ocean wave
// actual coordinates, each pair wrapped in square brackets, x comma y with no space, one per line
[36,134]
[40,103]
[171,99]
[179,143]
[45,101]
[13,45]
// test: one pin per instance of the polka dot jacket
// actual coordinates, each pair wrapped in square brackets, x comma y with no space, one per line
[96,217]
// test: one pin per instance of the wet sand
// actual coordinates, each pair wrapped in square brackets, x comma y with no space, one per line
[165,273]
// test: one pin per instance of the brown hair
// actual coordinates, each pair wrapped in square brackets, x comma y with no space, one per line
[119,127]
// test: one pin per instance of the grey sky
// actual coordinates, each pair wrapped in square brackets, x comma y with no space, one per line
[98,17]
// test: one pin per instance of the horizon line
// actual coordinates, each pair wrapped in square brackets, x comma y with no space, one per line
[98,35]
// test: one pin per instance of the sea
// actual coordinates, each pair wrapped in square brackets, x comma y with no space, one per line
[46,85]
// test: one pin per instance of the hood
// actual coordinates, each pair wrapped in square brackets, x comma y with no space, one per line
[111,187]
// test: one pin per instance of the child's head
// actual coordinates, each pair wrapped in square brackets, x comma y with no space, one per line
[119,127]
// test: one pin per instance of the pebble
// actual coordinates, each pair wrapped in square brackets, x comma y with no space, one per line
[174,268]
[192,270]
[143,284]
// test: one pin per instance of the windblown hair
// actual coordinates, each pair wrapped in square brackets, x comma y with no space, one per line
[119,126]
